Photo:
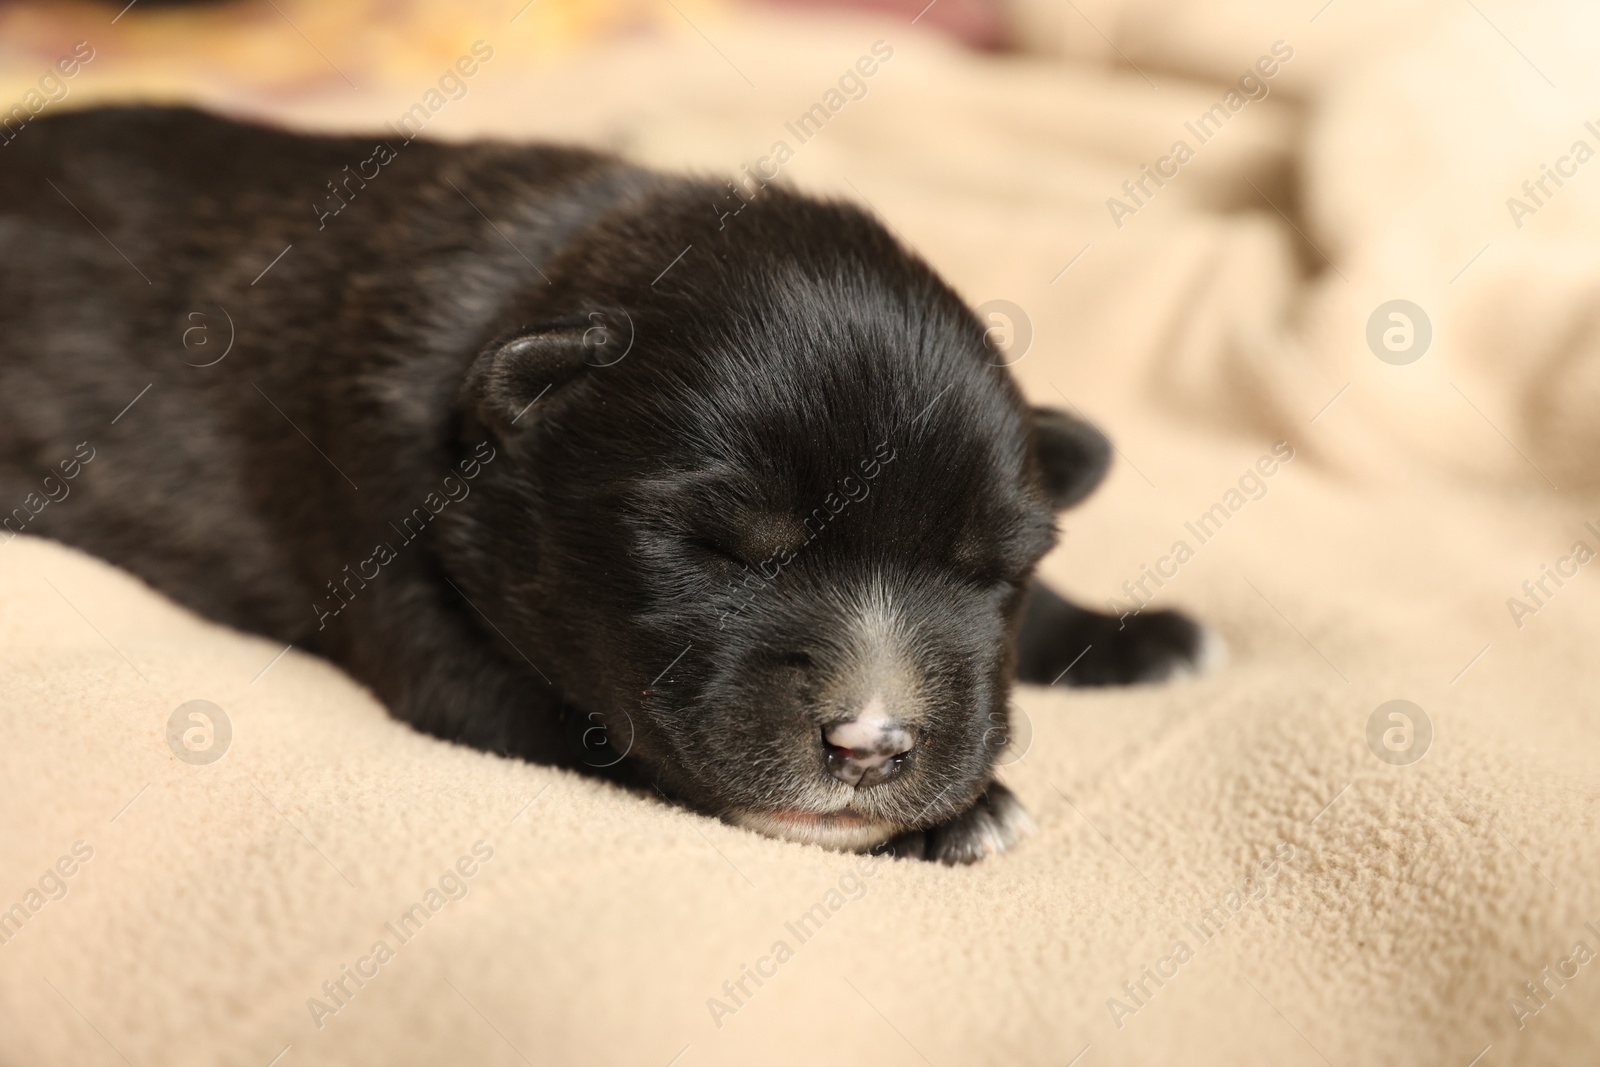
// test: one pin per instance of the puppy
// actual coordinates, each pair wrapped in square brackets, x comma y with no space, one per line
[558,456]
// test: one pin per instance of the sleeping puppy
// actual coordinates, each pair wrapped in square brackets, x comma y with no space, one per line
[558,456]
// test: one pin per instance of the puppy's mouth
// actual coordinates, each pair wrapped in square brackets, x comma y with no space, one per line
[843,830]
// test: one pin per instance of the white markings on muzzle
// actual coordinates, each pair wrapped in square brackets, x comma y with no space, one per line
[875,700]
[868,730]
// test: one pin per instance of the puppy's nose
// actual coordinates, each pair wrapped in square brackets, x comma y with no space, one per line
[868,749]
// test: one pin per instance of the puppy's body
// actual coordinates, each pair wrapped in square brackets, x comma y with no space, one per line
[358,337]
[543,447]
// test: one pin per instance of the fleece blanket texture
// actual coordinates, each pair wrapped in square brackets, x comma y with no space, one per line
[1274,863]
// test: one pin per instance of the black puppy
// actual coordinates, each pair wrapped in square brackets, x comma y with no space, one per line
[559,456]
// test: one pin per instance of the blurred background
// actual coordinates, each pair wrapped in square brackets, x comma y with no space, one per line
[1377,162]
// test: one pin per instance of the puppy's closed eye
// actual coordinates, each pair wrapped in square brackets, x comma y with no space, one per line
[757,540]
[771,535]
[715,551]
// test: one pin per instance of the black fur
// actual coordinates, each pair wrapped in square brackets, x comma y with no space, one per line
[1061,643]
[553,453]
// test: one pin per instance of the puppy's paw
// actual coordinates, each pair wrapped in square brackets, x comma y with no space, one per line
[994,823]
[1152,647]
[1063,644]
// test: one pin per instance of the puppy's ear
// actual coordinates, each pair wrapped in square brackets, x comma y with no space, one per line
[518,370]
[1072,455]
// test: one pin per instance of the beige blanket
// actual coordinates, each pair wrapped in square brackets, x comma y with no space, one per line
[1261,866]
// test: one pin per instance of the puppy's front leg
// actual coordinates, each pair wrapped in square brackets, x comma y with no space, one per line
[995,822]
[448,671]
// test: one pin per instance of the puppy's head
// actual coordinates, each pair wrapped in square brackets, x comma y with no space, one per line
[767,512]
